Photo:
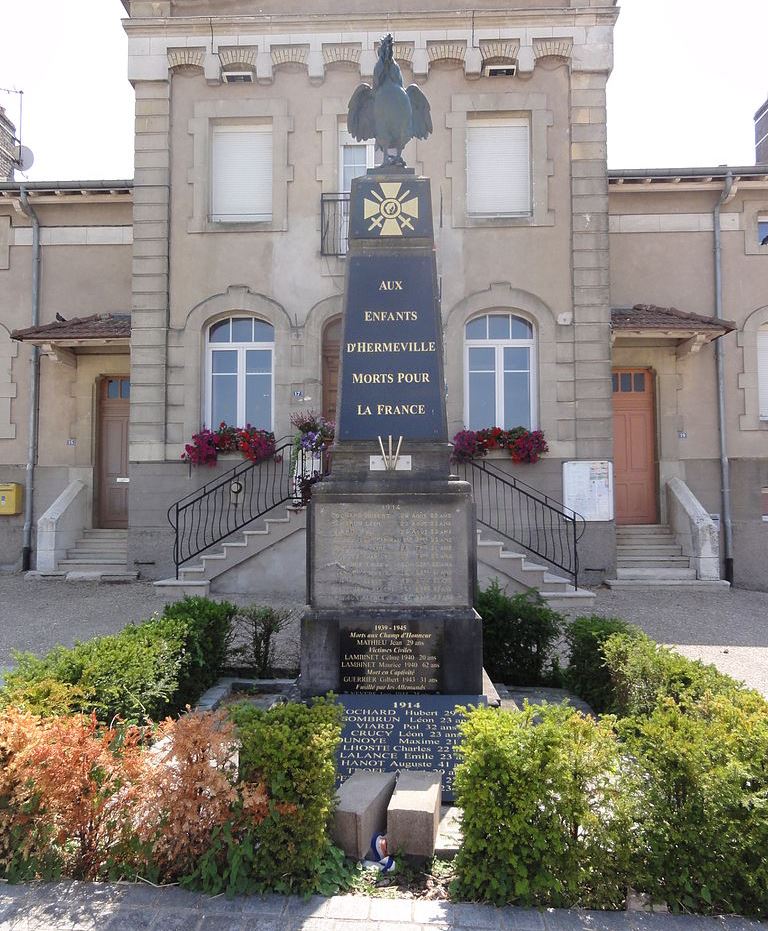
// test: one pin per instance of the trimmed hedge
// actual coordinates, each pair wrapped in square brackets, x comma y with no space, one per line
[643,673]
[671,798]
[290,751]
[699,790]
[143,673]
[587,673]
[544,820]
[519,636]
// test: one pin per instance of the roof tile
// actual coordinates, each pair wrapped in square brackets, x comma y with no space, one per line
[96,326]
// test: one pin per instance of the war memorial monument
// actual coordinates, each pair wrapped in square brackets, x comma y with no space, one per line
[391,567]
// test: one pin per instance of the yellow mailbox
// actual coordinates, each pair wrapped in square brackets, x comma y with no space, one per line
[10,498]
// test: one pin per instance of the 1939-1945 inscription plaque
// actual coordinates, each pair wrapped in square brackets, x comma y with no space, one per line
[385,656]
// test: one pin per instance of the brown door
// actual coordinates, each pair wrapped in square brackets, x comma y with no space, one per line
[331,353]
[634,447]
[114,400]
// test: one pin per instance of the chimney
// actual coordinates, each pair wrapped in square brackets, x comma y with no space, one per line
[7,146]
[761,135]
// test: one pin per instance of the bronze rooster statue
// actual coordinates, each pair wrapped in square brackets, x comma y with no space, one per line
[387,112]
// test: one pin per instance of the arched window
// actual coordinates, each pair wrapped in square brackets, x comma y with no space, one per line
[500,372]
[240,356]
[762,371]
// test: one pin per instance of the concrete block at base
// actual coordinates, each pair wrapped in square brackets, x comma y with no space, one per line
[362,811]
[413,815]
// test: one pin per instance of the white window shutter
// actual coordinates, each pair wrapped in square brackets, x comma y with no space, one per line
[498,168]
[762,371]
[241,176]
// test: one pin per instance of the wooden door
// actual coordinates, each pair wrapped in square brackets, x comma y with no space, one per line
[634,447]
[331,355]
[112,480]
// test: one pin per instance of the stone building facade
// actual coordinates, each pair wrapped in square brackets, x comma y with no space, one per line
[548,254]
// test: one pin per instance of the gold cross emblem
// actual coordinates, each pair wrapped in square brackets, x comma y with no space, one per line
[391,211]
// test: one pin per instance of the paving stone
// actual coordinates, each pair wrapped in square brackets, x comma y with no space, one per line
[265,905]
[392,910]
[138,895]
[348,907]
[521,919]
[313,907]
[132,919]
[219,922]
[314,924]
[176,919]
[219,904]
[665,921]
[474,916]
[430,913]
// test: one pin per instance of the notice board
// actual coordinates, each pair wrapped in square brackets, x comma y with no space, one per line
[588,488]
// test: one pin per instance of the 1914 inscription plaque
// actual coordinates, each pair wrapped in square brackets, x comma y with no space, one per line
[391,733]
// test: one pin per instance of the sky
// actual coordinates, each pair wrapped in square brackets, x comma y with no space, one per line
[688,78]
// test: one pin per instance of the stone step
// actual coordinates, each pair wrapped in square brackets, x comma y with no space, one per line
[669,561]
[652,549]
[650,584]
[90,550]
[569,598]
[643,528]
[179,588]
[105,532]
[655,573]
[110,568]
[90,565]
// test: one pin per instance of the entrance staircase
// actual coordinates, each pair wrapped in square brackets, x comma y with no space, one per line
[649,556]
[527,540]
[99,555]
[514,570]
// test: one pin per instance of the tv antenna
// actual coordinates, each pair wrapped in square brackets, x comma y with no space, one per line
[22,156]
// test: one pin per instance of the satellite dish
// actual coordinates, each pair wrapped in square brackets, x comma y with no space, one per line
[23,157]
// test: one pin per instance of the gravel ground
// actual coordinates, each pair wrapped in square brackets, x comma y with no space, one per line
[726,627]
[37,615]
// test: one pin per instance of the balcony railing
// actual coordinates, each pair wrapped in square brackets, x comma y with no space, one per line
[334,224]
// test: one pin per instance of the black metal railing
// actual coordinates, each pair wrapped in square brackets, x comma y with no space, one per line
[230,502]
[334,224]
[526,516]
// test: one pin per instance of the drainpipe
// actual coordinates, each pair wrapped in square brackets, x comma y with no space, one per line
[34,385]
[725,468]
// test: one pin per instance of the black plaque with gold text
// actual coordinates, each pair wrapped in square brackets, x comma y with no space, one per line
[392,733]
[376,655]
[392,379]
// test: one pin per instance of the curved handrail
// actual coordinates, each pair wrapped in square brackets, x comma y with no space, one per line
[525,515]
[221,507]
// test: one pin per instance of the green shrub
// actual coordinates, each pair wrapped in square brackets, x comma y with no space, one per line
[643,673]
[143,673]
[254,630]
[587,673]
[519,635]
[290,750]
[543,820]
[699,786]
[208,626]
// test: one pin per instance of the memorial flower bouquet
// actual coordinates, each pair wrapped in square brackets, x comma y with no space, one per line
[525,446]
[255,444]
[314,434]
